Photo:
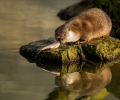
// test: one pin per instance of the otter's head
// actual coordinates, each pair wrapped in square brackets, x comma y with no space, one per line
[68,32]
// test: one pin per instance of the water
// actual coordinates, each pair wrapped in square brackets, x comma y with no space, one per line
[21,22]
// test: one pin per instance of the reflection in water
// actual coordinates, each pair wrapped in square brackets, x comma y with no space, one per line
[79,80]
[98,75]
[60,93]
[84,83]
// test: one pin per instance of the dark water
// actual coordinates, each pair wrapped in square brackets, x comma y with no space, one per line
[21,22]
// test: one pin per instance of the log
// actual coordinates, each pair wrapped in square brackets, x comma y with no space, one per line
[102,49]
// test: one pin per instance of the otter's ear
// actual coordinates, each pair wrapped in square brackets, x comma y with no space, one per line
[58,29]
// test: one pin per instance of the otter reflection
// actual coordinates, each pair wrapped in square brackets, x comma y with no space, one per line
[84,83]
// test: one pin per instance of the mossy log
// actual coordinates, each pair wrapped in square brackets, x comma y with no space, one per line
[102,49]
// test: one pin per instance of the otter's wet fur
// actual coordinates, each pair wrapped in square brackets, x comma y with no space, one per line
[89,24]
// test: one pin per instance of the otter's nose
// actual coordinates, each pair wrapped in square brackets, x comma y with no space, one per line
[59,39]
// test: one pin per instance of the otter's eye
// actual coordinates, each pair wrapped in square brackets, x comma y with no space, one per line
[74,25]
[68,29]
[65,34]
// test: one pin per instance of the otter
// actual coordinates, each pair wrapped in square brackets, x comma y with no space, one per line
[89,24]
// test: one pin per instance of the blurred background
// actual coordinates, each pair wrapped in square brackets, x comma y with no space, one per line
[21,22]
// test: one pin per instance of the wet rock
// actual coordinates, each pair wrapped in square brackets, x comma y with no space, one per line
[102,49]
[29,50]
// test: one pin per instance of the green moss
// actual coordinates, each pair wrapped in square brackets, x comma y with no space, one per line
[105,49]
[99,96]
[80,52]
[64,56]
[72,54]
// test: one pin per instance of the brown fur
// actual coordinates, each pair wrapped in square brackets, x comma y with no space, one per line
[91,23]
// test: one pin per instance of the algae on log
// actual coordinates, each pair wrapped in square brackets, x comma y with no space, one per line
[102,49]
